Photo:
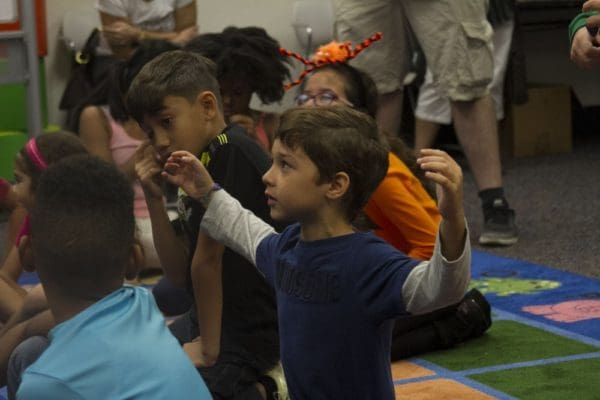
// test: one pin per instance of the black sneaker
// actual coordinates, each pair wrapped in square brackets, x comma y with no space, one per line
[499,228]
[471,318]
[475,311]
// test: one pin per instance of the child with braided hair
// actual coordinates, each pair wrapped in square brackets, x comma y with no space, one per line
[248,61]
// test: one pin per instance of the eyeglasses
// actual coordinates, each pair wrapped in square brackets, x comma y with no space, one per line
[323,98]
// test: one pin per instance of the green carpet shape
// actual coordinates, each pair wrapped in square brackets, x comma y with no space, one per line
[577,379]
[507,342]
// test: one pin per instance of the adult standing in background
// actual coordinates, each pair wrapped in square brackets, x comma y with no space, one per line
[433,108]
[128,22]
[456,39]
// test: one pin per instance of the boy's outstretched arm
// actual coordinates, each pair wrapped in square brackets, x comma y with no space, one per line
[444,279]
[225,219]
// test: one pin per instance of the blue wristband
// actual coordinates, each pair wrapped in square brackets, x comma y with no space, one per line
[206,197]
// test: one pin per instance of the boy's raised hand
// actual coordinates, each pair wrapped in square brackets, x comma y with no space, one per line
[187,172]
[440,168]
[148,169]
[447,174]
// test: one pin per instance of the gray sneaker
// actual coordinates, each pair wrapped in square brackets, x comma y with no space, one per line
[499,228]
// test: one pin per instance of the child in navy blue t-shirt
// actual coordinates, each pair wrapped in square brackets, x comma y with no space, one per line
[338,291]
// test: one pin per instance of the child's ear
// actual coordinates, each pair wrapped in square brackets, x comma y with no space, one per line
[26,254]
[338,186]
[136,260]
[208,102]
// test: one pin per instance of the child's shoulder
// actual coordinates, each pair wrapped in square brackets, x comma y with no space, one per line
[370,250]
[233,142]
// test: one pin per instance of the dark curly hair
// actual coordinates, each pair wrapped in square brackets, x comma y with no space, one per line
[248,53]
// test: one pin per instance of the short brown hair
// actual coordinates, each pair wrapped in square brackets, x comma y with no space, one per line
[339,139]
[174,73]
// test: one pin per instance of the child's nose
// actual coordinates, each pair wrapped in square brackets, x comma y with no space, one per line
[266,178]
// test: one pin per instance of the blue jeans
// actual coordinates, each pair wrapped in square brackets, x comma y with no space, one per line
[21,358]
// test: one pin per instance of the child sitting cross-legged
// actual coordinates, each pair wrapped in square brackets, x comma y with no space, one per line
[110,341]
[338,291]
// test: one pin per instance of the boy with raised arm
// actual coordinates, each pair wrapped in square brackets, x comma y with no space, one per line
[337,290]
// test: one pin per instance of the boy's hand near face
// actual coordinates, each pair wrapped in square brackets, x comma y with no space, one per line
[187,172]
[447,174]
[148,169]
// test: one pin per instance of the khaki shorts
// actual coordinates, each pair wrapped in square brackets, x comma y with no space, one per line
[433,106]
[454,35]
[386,61]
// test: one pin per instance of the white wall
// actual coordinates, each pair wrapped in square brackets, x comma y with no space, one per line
[547,51]
[274,15]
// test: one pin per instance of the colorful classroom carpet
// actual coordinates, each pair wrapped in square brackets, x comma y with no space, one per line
[544,343]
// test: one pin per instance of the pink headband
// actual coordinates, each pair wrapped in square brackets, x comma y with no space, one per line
[35,155]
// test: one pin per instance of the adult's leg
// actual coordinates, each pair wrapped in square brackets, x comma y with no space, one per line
[21,358]
[433,109]
[476,128]
[456,39]
[389,111]
[433,106]
[425,134]
[385,61]
[501,41]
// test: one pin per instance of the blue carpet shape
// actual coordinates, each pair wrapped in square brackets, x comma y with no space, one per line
[546,295]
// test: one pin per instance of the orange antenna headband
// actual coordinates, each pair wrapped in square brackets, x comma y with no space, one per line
[330,53]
